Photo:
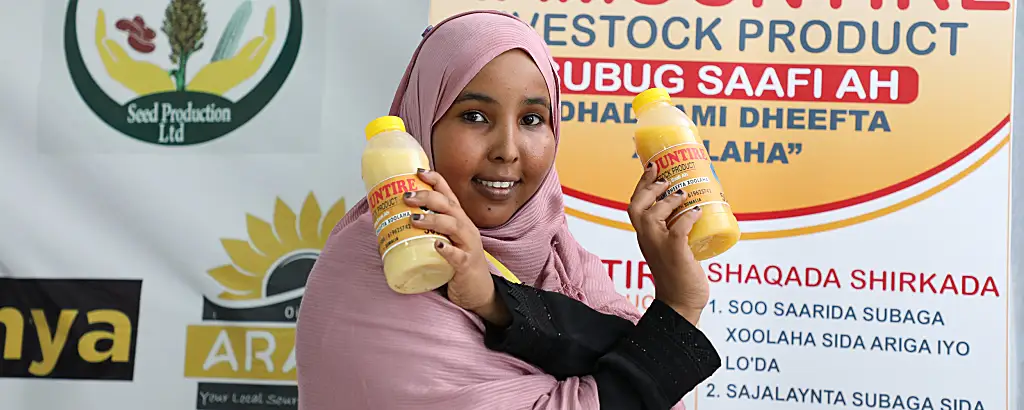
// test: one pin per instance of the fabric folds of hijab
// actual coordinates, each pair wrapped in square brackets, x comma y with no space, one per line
[362,346]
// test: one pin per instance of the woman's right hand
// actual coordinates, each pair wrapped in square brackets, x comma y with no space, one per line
[472,287]
[679,280]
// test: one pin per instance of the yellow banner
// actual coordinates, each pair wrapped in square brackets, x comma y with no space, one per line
[240,352]
[816,114]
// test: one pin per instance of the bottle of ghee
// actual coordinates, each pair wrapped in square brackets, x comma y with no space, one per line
[390,160]
[666,136]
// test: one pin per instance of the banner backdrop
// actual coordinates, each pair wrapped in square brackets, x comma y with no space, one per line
[862,146]
[170,170]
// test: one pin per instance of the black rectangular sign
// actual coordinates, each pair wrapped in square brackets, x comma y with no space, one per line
[69,328]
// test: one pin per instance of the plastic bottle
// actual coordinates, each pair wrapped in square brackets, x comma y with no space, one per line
[390,160]
[666,136]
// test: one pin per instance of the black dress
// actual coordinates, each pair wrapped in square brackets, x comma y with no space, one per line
[650,365]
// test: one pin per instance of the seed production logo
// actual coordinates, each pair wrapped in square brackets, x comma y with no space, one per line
[244,350]
[180,72]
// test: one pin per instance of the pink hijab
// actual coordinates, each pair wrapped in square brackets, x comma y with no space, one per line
[362,346]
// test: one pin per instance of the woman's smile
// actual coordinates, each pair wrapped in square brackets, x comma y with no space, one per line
[496,189]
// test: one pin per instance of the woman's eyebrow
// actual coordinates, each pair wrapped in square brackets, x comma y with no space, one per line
[542,101]
[471,96]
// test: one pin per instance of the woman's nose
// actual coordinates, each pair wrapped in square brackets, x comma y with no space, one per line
[505,147]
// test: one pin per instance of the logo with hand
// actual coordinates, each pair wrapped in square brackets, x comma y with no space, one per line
[180,90]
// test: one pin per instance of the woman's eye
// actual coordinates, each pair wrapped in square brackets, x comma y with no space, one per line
[532,120]
[474,117]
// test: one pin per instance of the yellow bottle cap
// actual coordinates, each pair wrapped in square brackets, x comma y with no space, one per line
[383,124]
[650,96]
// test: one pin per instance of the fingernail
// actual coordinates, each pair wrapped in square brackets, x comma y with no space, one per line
[660,181]
[678,193]
[649,165]
[417,217]
[421,171]
[410,194]
[440,244]
[696,209]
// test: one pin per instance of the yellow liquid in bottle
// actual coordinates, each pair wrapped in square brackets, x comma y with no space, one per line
[390,160]
[666,137]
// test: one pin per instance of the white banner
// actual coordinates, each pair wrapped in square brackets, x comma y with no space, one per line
[170,169]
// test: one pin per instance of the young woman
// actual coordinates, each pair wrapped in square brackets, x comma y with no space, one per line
[482,96]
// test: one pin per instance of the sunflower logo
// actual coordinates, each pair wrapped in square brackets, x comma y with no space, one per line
[274,263]
[248,326]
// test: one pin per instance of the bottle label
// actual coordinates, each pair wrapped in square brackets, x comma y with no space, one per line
[391,215]
[687,166]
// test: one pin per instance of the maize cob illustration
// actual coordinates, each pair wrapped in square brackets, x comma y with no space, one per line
[228,44]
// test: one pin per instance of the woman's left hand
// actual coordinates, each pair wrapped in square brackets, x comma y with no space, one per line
[472,287]
[679,280]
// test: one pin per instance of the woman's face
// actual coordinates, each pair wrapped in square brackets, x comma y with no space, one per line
[495,144]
